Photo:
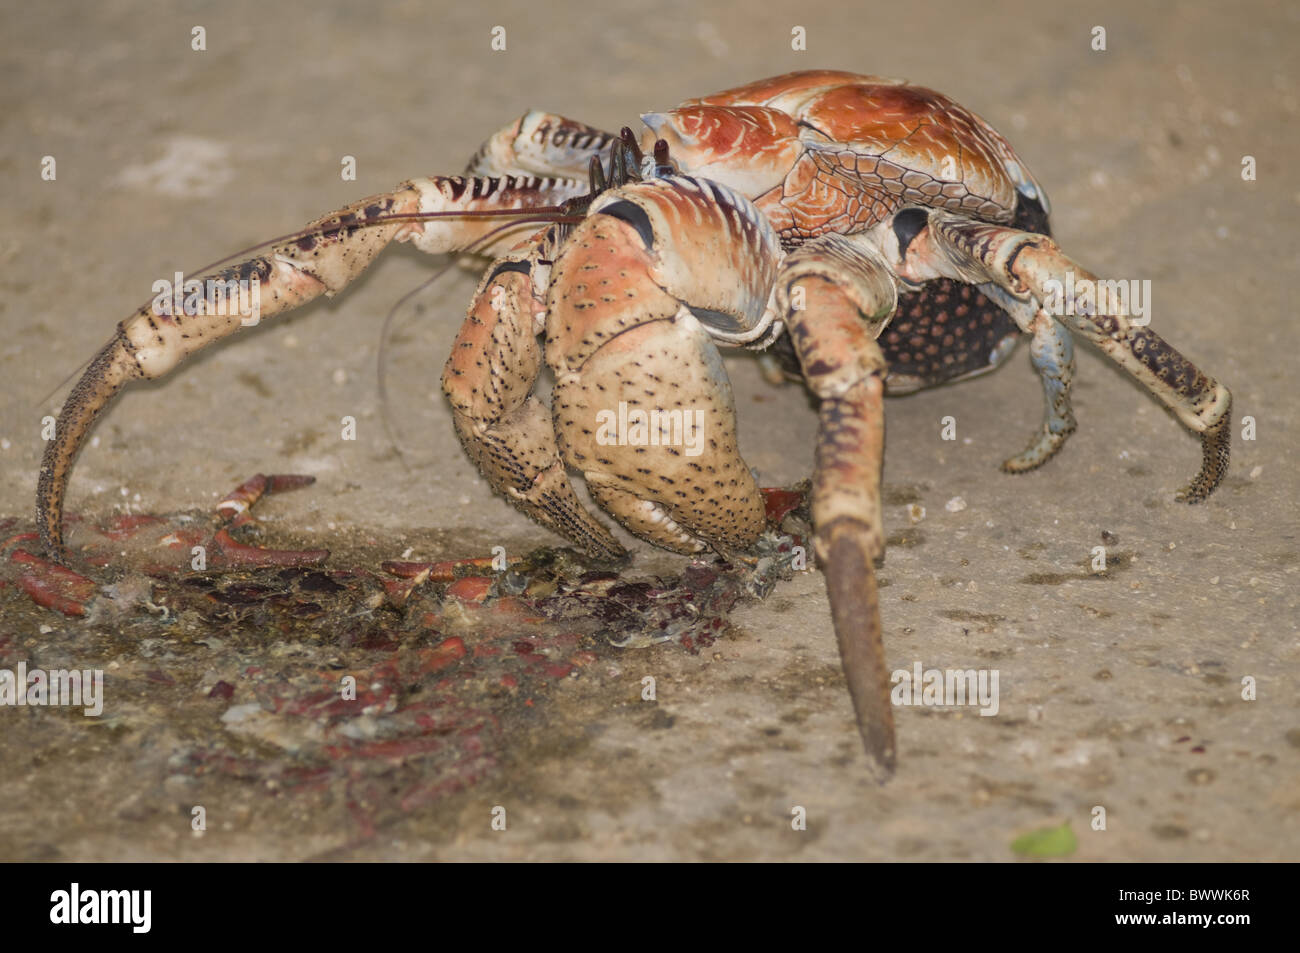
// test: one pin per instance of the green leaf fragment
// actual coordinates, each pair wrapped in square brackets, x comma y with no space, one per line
[1047,842]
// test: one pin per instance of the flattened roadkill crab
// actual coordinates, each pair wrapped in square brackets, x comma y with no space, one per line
[875,236]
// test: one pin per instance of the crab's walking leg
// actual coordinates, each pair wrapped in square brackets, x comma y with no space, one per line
[1033,269]
[541,143]
[329,255]
[507,432]
[834,295]
[1051,352]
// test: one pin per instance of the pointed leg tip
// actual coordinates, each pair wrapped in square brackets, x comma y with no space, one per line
[1042,448]
[882,763]
[1213,469]
[1193,493]
[1216,451]
[1016,465]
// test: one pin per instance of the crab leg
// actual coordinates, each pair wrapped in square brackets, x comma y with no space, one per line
[834,295]
[1033,269]
[540,143]
[325,257]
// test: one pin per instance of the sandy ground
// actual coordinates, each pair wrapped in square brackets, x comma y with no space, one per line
[1122,691]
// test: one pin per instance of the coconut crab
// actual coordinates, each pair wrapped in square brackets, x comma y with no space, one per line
[876,236]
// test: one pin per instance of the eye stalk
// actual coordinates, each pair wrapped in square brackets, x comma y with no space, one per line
[627,163]
[664,165]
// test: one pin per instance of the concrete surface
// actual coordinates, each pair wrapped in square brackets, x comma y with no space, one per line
[1123,692]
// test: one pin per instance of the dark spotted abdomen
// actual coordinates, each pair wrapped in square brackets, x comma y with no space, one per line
[945,331]
[948,329]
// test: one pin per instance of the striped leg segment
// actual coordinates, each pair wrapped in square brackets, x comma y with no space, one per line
[541,144]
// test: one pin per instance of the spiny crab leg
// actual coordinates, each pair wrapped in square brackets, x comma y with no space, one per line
[322,259]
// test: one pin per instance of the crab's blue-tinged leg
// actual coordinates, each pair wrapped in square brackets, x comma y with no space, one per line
[1033,269]
[834,294]
[321,259]
[1051,352]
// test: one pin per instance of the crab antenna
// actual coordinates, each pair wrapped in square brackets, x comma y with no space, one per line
[625,160]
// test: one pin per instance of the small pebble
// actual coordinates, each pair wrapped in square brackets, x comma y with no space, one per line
[955,505]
